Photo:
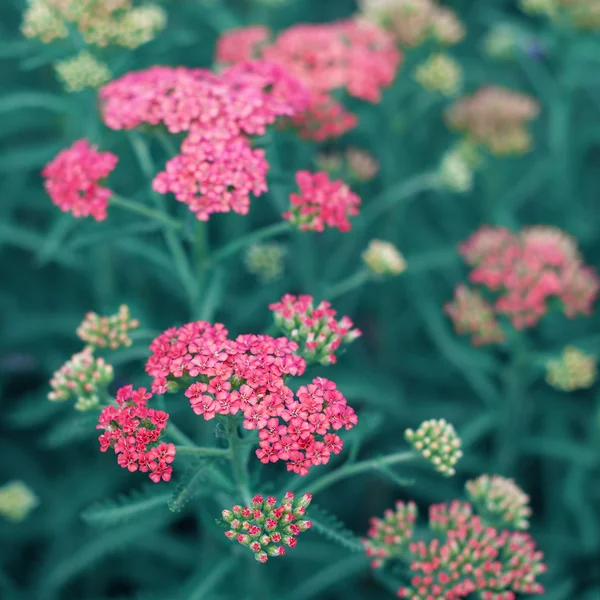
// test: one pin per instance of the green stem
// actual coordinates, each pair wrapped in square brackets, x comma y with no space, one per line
[200,451]
[239,465]
[511,432]
[182,264]
[347,285]
[141,209]
[252,238]
[359,467]
[398,194]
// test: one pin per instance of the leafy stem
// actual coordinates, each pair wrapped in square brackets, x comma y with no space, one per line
[142,209]
[373,464]
[238,456]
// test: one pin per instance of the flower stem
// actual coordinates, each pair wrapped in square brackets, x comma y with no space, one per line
[398,194]
[141,209]
[237,456]
[202,451]
[359,467]
[241,243]
[347,285]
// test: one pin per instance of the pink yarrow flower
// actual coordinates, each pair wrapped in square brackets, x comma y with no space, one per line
[465,557]
[248,375]
[528,269]
[217,169]
[243,43]
[134,431]
[353,55]
[316,329]
[73,176]
[321,203]
[265,528]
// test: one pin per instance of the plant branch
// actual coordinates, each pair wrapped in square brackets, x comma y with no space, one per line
[252,238]
[346,471]
[202,451]
[141,209]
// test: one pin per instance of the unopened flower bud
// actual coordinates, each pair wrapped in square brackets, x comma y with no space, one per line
[383,258]
[16,501]
[437,442]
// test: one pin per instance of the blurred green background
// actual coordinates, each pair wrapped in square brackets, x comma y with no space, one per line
[409,365]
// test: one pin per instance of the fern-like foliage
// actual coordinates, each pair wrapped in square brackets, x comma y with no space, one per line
[333,529]
[190,484]
[127,507]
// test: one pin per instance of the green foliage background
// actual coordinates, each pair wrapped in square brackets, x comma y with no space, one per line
[409,365]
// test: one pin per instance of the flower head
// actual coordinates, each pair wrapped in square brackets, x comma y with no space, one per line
[316,329]
[388,537]
[440,73]
[437,441]
[265,261]
[383,258]
[217,169]
[412,22]
[464,557]
[83,378]
[500,501]
[100,23]
[458,166]
[574,370]
[265,528]
[248,375]
[108,332]
[321,203]
[355,56]
[17,500]
[72,180]
[134,431]
[241,44]
[361,164]
[496,118]
[473,315]
[529,269]
[82,71]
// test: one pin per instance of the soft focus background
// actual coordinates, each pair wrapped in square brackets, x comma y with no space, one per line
[409,365]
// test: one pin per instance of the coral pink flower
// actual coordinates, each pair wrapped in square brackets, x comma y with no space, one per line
[249,374]
[353,55]
[73,176]
[526,270]
[264,526]
[321,202]
[133,430]
[465,557]
[217,169]
[244,43]
[316,329]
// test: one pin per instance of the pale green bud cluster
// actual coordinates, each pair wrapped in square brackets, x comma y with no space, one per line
[574,370]
[383,258]
[16,501]
[265,261]
[83,378]
[82,71]
[440,73]
[500,501]
[437,441]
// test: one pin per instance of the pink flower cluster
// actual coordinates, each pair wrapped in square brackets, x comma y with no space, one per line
[474,315]
[217,168]
[317,330]
[465,556]
[387,537]
[239,45]
[472,558]
[529,269]
[133,431]
[353,55]
[321,202]
[247,375]
[266,528]
[73,176]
